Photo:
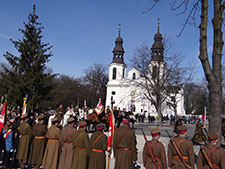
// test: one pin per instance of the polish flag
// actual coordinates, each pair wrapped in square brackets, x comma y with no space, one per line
[2,116]
[111,131]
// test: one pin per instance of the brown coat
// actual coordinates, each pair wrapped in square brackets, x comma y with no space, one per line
[24,141]
[67,153]
[186,149]
[97,159]
[38,144]
[216,156]
[158,151]
[52,151]
[81,147]
[124,149]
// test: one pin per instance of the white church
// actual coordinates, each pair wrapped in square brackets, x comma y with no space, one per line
[122,88]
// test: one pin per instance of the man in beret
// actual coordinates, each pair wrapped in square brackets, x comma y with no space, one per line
[81,147]
[157,150]
[185,148]
[52,151]
[39,142]
[24,140]
[98,144]
[215,154]
[124,146]
[67,153]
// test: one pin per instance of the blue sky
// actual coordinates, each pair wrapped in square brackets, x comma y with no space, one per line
[82,32]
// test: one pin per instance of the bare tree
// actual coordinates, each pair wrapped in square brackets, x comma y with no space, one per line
[159,78]
[212,70]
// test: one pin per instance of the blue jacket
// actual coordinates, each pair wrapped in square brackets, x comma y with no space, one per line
[8,141]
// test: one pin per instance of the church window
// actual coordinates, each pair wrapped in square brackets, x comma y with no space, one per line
[123,73]
[154,72]
[134,76]
[114,73]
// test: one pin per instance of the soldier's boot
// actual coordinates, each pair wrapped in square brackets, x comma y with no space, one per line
[37,166]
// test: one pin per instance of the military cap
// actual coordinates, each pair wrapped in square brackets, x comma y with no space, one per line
[125,120]
[212,135]
[41,116]
[71,119]
[182,128]
[100,126]
[24,116]
[82,123]
[155,131]
[54,119]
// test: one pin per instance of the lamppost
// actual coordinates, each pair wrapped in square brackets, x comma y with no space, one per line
[112,101]
[78,99]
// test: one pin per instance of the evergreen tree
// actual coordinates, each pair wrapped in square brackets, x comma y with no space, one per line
[27,74]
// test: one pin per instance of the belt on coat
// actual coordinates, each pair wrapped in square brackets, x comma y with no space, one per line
[53,139]
[214,165]
[156,157]
[184,157]
[79,148]
[68,142]
[97,150]
[24,134]
[39,137]
[121,148]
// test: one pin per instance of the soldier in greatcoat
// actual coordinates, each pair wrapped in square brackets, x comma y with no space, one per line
[81,147]
[215,154]
[52,151]
[124,146]
[67,150]
[98,144]
[39,143]
[185,148]
[24,140]
[157,150]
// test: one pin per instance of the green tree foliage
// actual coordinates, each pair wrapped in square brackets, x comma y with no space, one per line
[27,73]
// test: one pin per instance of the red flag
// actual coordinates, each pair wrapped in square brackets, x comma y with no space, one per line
[111,131]
[2,116]
[99,108]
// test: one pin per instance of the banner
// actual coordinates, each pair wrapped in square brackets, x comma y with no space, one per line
[24,105]
[2,116]
[99,108]
[111,131]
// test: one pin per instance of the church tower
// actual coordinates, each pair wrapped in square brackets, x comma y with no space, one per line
[157,64]
[117,68]
[117,72]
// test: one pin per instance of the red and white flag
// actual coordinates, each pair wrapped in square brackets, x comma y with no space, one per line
[99,108]
[2,116]
[111,131]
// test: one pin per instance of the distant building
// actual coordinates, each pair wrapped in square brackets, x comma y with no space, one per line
[122,87]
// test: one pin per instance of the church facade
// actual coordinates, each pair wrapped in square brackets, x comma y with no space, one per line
[125,89]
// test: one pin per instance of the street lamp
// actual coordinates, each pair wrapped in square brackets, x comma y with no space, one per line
[78,87]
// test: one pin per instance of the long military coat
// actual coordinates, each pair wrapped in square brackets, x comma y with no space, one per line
[24,141]
[52,152]
[67,153]
[38,144]
[215,154]
[186,149]
[97,159]
[81,147]
[124,138]
[158,151]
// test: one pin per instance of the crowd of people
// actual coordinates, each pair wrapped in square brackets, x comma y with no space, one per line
[27,142]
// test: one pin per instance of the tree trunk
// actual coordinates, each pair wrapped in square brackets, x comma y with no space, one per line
[159,111]
[214,74]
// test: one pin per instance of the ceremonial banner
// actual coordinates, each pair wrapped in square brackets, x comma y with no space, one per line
[24,105]
[99,108]
[111,131]
[2,116]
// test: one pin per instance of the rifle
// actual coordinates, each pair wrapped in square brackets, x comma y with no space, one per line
[150,151]
[178,152]
[207,158]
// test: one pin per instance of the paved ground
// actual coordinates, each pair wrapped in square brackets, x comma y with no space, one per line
[164,139]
